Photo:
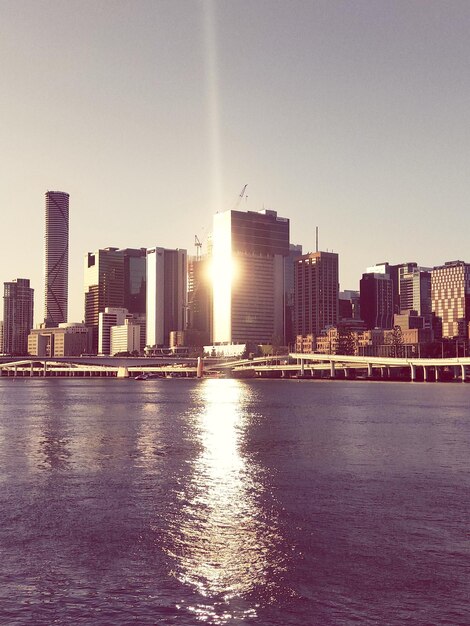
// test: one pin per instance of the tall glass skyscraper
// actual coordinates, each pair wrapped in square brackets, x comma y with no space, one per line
[248,252]
[56,266]
[18,301]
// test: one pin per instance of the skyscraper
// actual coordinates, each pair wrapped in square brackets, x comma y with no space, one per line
[18,299]
[377,300]
[316,292]
[56,266]
[248,251]
[104,286]
[450,294]
[166,294]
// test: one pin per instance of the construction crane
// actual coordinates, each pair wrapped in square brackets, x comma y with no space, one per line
[198,245]
[240,197]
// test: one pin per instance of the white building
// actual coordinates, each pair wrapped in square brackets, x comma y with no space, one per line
[125,338]
[166,294]
[112,316]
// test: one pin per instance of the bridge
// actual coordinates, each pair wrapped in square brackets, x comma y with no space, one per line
[300,365]
[306,364]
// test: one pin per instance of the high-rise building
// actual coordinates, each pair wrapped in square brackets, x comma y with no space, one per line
[248,251]
[316,292]
[115,278]
[415,291]
[104,286]
[135,279]
[450,295]
[56,265]
[295,251]
[200,296]
[18,307]
[376,300]
[1,337]
[166,294]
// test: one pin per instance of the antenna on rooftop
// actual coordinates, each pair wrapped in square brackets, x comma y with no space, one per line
[316,238]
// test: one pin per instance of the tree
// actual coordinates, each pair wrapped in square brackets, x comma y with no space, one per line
[346,342]
[395,340]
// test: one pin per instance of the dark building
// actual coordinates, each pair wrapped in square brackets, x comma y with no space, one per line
[18,308]
[104,286]
[200,296]
[135,279]
[376,300]
[316,292]
[56,258]
[295,251]
[248,251]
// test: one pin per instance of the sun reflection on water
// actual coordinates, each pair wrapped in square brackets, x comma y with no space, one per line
[223,539]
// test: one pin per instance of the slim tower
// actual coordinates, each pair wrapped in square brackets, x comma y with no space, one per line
[56,265]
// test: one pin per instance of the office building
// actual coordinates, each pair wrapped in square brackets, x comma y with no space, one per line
[68,339]
[18,308]
[115,278]
[316,292]
[166,294]
[295,251]
[111,316]
[376,294]
[56,262]
[415,291]
[125,338]
[104,286]
[450,296]
[135,279]
[1,337]
[200,296]
[248,251]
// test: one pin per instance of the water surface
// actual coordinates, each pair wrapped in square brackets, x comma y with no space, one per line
[230,502]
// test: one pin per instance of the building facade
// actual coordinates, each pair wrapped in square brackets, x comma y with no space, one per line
[18,312]
[450,295]
[68,339]
[316,292]
[200,296]
[376,291]
[56,258]
[166,294]
[125,338]
[104,286]
[111,316]
[248,252]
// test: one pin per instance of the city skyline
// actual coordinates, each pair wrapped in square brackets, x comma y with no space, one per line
[153,116]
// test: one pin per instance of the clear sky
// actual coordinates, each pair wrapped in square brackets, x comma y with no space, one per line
[350,115]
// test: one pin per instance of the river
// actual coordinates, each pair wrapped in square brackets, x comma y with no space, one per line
[229,502]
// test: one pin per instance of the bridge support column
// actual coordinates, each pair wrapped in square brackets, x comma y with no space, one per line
[437,373]
[123,372]
[369,370]
[413,372]
[31,370]
[45,368]
[464,372]
[302,367]
[15,371]
[200,367]
[332,369]
[425,373]
[346,372]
